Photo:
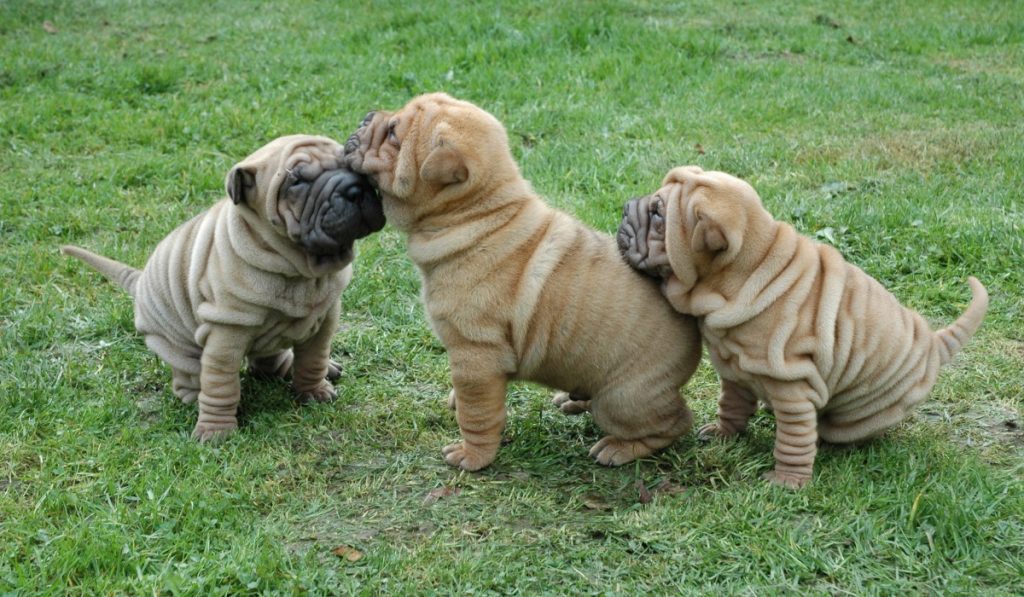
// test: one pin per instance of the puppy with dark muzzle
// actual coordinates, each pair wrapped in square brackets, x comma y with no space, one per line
[258,275]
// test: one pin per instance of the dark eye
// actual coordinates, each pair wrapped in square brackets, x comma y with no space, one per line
[658,216]
[658,207]
[392,137]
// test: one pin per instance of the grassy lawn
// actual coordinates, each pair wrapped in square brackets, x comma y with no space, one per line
[893,130]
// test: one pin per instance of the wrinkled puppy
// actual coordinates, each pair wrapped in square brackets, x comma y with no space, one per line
[518,290]
[786,319]
[258,275]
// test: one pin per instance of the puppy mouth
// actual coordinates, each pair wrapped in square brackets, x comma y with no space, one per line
[641,236]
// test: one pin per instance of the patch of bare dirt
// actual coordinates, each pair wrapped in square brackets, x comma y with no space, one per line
[982,425]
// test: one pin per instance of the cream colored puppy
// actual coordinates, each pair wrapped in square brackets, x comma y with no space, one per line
[786,319]
[258,275]
[518,290]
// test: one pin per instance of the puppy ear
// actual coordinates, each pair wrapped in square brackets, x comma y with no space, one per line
[708,234]
[681,174]
[241,182]
[444,166]
[718,223]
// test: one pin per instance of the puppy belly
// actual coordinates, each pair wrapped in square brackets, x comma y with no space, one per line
[864,413]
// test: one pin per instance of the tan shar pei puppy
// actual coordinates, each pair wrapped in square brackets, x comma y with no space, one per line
[518,290]
[258,275]
[786,320]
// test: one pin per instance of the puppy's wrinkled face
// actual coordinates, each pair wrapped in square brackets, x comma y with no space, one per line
[430,154]
[695,223]
[300,185]
[641,236]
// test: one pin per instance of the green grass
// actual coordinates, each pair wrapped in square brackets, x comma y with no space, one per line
[896,129]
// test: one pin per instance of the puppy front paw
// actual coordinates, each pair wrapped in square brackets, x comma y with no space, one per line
[333,370]
[787,480]
[466,457]
[213,433]
[571,404]
[323,393]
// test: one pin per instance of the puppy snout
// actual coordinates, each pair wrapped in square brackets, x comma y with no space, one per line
[351,144]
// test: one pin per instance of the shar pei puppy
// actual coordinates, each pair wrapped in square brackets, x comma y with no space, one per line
[786,319]
[517,290]
[258,275]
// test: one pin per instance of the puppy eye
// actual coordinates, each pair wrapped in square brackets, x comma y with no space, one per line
[392,137]
[658,224]
[658,207]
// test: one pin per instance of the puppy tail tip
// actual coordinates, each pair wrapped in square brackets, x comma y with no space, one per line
[119,273]
[951,339]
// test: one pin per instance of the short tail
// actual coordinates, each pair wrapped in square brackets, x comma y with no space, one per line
[951,339]
[123,275]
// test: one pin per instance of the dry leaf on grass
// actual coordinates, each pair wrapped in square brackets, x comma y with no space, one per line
[441,492]
[645,494]
[349,553]
[667,487]
[593,502]
[49,27]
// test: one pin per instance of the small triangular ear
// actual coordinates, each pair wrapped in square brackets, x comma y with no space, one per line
[708,234]
[444,166]
[240,183]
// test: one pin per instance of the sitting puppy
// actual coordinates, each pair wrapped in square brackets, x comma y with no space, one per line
[258,274]
[786,319]
[518,290]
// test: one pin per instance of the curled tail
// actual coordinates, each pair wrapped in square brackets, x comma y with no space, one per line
[123,275]
[950,340]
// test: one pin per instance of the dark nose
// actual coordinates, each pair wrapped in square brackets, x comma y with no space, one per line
[358,189]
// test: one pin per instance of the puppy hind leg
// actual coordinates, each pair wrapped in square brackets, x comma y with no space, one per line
[796,434]
[277,365]
[637,427]
[736,404]
[185,385]
[571,403]
[333,370]
[280,366]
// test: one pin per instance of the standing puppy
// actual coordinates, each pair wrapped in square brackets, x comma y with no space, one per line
[518,290]
[785,318]
[258,274]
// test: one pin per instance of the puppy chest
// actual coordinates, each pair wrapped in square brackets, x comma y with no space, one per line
[281,333]
[732,360]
